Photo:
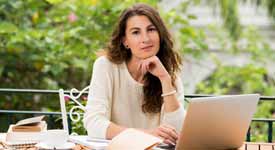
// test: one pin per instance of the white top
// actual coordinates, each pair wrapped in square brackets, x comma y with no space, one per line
[115,96]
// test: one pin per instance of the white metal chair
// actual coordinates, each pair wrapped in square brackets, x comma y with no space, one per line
[73,114]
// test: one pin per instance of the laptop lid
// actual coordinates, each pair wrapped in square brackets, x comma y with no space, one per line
[217,122]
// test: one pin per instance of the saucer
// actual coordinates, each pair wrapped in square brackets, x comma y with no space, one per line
[67,145]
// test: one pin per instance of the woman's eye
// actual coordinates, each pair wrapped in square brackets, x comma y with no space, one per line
[135,32]
[152,29]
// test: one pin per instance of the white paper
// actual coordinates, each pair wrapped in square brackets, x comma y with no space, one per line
[95,144]
[132,139]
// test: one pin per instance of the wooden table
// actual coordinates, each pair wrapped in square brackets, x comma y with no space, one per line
[253,146]
[258,146]
[246,146]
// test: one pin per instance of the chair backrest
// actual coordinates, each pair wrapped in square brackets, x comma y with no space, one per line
[73,114]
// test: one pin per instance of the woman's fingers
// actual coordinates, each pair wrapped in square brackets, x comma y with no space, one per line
[139,65]
[154,66]
[167,141]
[144,66]
[166,136]
[172,134]
[167,133]
[172,130]
[147,65]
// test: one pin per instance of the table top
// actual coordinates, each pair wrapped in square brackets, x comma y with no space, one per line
[258,146]
[246,146]
[255,146]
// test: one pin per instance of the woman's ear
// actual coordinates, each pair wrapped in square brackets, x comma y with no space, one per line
[125,43]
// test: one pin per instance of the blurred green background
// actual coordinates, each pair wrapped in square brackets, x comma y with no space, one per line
[52,44]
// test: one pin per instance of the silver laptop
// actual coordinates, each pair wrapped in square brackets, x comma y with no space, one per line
[213,123]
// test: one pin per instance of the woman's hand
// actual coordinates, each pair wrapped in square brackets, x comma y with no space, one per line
[166,132]
[154,66]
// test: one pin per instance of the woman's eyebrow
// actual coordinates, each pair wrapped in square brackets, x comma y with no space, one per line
[137,28]
[134,28]
[151,25]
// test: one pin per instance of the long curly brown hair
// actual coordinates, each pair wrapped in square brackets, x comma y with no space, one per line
[117,53]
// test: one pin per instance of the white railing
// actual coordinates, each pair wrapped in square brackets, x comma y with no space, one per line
[73,113]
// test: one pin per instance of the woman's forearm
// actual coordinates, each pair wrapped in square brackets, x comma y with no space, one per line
[170,101]
[114,130]
[170,104]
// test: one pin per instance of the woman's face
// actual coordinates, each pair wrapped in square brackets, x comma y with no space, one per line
[142,37]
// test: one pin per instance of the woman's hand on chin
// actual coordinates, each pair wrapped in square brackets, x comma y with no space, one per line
[154,66]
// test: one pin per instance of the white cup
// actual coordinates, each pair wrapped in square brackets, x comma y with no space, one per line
[55,138]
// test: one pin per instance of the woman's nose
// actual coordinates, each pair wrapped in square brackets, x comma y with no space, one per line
[145,38]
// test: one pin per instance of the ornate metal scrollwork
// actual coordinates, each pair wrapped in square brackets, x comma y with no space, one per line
[73,114]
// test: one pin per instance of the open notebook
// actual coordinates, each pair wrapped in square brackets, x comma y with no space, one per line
[130,139]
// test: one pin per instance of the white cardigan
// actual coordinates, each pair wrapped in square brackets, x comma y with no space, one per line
[115,96]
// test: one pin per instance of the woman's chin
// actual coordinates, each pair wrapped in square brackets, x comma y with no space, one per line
[147,56]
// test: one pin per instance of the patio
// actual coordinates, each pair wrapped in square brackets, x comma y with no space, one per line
[52,115]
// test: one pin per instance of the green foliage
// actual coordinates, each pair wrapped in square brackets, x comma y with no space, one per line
[250,42]
[51,44]
[189,40]
[250,78]
[269,4]
[271,8]
[230,15]
[77,127]
[247,79]
[229,12]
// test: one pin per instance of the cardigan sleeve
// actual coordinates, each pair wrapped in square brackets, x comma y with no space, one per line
[176,117]
[98,109]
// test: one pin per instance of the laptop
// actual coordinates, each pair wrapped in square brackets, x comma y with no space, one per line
[217,122]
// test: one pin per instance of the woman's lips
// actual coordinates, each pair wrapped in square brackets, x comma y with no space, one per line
[147,47]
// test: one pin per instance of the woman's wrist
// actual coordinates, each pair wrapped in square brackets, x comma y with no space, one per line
[165,78]
[167,87]
[169,93]
[166,83]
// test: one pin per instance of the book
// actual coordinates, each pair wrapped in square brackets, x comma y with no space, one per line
[91,143]
[34,124]
[133,139]
[130,139]
[29,130]
[37,127]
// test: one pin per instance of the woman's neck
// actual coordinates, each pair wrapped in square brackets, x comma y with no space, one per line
[133,68]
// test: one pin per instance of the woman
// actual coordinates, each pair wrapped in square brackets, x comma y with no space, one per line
[135,84]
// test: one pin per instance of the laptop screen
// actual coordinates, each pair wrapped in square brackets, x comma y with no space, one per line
[219,122]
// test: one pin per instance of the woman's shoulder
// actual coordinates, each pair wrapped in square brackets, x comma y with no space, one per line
[103,60]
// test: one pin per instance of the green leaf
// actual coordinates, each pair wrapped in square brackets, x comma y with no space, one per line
[80,63]
[7,27]
[191,16]
[1,70]
[54,1]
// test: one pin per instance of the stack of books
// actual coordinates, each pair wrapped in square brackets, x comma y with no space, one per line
[27,131]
